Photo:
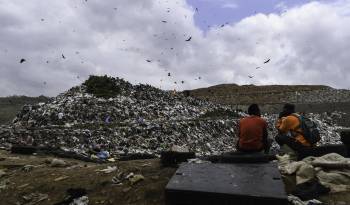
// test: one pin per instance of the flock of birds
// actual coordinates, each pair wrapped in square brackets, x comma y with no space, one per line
[188,39]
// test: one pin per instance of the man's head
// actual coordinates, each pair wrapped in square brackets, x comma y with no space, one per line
[253,109]
[289,109]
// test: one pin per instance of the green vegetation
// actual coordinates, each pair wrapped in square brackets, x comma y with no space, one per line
[10,106]
[102,86]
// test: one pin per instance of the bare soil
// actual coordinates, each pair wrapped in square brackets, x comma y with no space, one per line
[55,181]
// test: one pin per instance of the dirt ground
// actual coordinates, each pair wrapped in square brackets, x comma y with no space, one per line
[54,181]
[42,178]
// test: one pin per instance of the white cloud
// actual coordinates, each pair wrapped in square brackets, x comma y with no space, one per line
[307,45]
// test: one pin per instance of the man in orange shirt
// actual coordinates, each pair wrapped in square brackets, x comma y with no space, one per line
[253,132]
[289,130]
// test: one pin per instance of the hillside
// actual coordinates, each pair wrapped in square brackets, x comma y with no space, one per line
[10,106]
[271,94]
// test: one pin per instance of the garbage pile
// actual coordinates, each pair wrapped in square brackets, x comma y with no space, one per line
[134,119]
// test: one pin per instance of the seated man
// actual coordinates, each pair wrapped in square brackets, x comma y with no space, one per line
[253,132]
[289,130]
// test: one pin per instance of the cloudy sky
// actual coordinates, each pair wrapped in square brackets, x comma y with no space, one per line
[228,41]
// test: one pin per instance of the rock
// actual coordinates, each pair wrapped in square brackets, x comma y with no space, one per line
[58,163]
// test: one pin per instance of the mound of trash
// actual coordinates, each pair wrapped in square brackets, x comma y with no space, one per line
[128,119]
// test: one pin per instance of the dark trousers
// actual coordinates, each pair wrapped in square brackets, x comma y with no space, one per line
[265,148]
[290,142]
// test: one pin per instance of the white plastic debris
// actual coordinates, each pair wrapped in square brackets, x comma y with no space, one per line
[108,170]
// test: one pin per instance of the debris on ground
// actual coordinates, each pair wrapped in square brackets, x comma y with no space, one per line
[34,198]
[294,200]
[75,197]
[28,168]
[4,184]
[84,200]
[58,163]
[136,178]
[108,170]
[2,173]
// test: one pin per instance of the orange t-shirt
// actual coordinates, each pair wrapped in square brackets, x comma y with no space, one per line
[291,123]
[251,132]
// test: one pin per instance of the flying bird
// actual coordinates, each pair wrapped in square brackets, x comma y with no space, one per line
[257,67]
[189,39]
[22,60]
[268,60]
[250,76]
[149,61]
[64,57]
[182,82]
[169,74]
[164,21]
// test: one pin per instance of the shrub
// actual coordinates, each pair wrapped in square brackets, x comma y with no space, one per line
[102,86]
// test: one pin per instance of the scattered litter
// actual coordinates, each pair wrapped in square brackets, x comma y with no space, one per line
[58,163]
[76,196]
[131,174]
[125,190]
[136,178]
[197,161]
[103,155]
[117,181]
[28,168]
[111,160]
[108,170]
[84,200]
[35,198]
[4,184]
[296,201]
[61,178]
[2,173]
[176,148]
[23,186]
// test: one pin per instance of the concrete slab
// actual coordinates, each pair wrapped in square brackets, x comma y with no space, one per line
[226,184]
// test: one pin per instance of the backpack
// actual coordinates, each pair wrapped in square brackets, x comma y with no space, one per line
[309,129]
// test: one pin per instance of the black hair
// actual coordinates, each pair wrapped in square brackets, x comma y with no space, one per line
[254,109]
[288,109]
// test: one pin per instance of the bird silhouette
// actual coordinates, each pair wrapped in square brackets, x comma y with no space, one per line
[189,39]
[268,60]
